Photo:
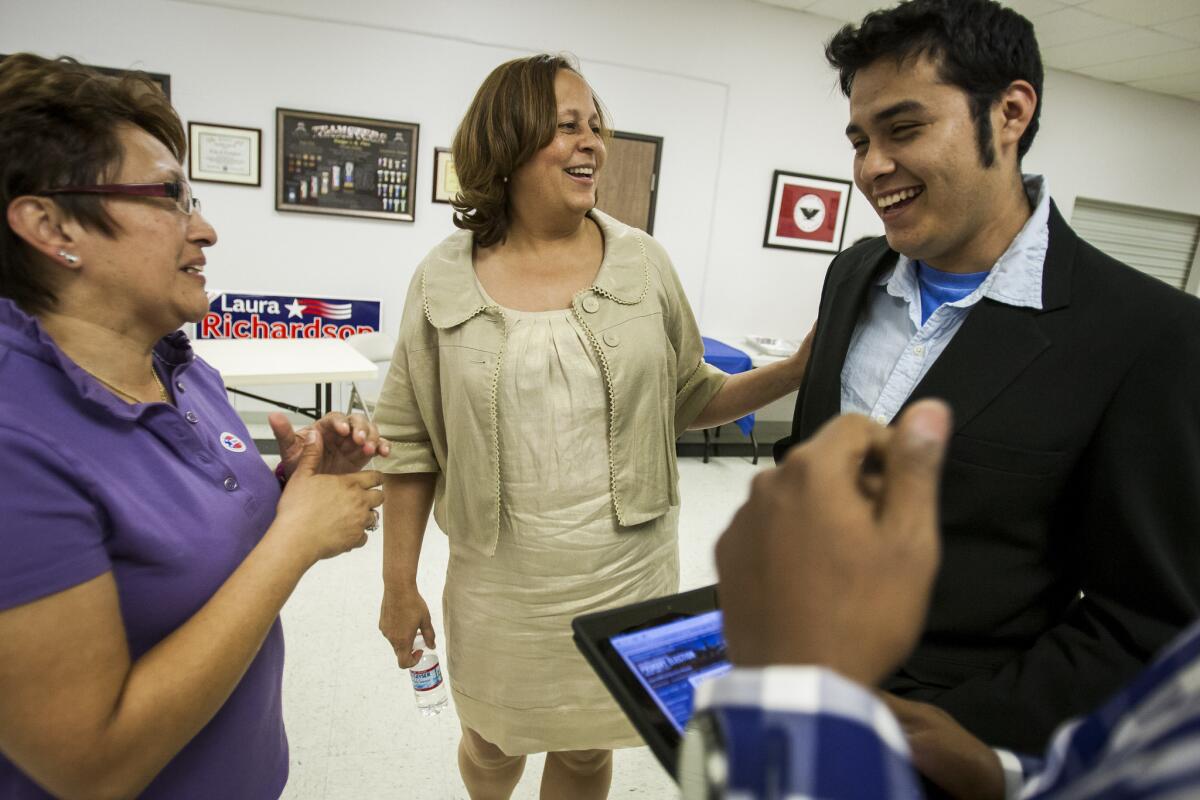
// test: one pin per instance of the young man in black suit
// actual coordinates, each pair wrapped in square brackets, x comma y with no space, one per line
[1071,495]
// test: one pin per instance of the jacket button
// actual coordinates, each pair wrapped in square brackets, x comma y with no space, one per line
[611,339]
[191,417]
[231,484]
[591,304]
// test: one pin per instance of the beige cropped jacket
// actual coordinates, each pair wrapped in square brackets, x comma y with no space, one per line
[438,403]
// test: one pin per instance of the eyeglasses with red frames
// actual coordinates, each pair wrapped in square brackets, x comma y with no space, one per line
[179,191]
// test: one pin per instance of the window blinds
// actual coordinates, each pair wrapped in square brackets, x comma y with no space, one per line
[1159,243]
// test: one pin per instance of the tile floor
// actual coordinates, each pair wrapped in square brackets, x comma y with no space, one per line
[354,729]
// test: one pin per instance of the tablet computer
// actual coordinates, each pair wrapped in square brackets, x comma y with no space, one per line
[651,656]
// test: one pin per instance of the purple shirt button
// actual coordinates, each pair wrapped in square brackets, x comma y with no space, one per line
[191,417]
[231,483]
[179,386]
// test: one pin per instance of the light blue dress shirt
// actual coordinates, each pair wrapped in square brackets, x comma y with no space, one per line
[891,350]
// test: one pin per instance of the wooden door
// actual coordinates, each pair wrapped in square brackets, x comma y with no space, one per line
[628,184]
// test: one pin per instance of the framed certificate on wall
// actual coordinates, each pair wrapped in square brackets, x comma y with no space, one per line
[445,179]
[224,154]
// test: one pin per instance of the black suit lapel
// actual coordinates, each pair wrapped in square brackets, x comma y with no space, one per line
[994,345]
[842,310]
[997,342]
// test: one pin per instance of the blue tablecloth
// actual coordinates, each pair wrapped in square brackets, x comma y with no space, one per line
[731,360]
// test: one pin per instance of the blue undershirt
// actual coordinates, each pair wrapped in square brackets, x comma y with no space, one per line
[939,288]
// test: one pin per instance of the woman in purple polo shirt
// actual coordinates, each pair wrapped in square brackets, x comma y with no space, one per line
[145,548]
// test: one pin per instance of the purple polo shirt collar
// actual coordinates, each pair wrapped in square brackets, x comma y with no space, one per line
[31,338]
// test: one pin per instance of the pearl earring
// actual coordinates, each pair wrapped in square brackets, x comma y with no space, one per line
[70,258]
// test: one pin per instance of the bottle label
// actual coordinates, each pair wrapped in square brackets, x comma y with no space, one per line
[425,680]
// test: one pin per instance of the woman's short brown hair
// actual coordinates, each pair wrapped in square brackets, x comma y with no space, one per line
[59,126]
[514,114]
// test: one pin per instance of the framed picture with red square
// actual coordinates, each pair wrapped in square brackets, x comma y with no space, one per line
[807,212]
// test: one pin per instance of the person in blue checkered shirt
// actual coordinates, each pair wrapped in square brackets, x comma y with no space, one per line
[825,577]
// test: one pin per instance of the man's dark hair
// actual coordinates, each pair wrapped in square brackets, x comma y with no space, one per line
[978,45]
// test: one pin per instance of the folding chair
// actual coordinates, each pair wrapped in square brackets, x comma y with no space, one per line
[375,346]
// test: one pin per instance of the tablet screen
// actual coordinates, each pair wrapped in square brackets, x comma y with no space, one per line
[651,655]
[672,658]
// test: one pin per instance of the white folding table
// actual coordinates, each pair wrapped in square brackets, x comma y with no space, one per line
[257,362]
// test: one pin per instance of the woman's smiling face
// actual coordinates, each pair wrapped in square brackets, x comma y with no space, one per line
[562,175]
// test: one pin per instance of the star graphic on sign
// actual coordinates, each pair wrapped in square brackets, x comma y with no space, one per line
[295,308]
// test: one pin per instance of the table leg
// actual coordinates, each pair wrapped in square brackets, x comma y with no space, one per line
[308,412]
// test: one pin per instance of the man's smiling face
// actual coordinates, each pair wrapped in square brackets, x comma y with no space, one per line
[917,160]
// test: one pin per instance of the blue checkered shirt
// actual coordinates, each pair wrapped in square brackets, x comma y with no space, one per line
[806,732]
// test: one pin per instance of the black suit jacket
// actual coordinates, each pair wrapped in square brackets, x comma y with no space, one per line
[1070,503]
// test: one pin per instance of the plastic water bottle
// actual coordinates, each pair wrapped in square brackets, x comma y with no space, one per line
[427,681]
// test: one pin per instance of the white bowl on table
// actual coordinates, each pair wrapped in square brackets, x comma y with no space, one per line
[770,346]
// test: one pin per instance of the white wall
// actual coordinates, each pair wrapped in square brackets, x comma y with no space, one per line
[736,88]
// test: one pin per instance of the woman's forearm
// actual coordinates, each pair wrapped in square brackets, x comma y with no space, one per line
[748,391]
[408,499]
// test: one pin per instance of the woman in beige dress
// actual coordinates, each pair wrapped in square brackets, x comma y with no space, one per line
[547,361]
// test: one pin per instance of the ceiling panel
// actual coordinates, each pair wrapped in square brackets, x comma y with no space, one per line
[1143,12]
[797,5]
[1158,65]
[1069,25]
[1185,28]
[1132,43]
[847,10]
[1034,8]
[1176,84]
[1148,44]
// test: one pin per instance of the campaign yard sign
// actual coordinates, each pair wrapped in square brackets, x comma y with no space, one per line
[234,315]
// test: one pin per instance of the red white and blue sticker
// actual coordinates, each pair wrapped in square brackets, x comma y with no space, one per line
[232,443]
[234,315]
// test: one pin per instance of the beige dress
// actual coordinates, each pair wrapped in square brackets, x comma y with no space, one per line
[517,677]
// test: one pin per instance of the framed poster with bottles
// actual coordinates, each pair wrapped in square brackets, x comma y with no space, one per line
[348,166]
